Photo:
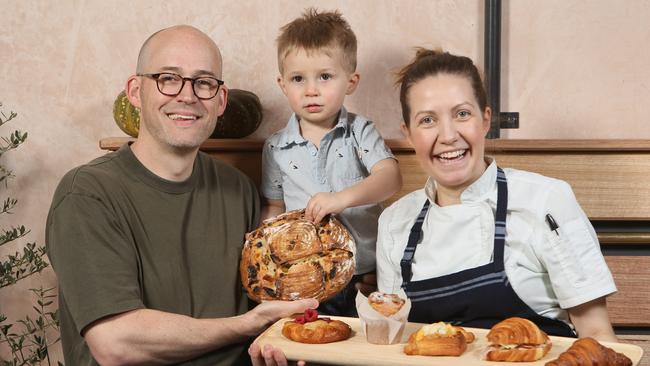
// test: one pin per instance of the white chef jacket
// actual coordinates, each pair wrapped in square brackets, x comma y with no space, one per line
[550,272]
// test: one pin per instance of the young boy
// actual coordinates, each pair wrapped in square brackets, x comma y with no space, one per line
[327,160]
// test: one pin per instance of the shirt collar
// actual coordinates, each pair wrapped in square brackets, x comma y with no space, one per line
[135,167]
[478,191]
[293,136]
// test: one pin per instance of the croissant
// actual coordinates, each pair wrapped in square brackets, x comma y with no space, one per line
[586,352]
[517,340]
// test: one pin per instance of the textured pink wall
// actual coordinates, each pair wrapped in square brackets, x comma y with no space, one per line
[572,68]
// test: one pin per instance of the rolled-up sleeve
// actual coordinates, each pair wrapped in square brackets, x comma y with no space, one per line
[573,258]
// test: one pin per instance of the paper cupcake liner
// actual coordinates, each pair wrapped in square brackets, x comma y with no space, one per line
[378,328]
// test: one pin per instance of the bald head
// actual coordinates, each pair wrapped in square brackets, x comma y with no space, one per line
[183,35]
[177,118]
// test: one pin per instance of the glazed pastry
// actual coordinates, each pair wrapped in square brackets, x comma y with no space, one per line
[438,339]
[587,352]
[469,336]
[290,258]
[517,340]
[385,304]
[309,328]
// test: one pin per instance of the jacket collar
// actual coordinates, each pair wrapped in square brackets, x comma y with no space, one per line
[292,135]
[478,191]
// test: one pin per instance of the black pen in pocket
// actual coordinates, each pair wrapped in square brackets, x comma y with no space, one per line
[552,224]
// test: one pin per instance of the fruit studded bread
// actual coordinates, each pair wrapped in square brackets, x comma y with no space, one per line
[290,258]
[385,304]
[587,352]
[517,340]
[438,339]
[309,328]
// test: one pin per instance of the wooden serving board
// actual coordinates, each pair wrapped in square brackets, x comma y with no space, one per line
[356,351]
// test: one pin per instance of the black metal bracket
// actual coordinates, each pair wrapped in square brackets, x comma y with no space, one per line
[493,63]
[493,71]
[509,120]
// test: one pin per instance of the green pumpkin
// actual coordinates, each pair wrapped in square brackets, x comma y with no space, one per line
[242,116]
[126,115]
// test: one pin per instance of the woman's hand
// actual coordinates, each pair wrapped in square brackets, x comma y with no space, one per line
[592,320]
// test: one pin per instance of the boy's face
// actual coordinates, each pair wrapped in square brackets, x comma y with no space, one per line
[316,84]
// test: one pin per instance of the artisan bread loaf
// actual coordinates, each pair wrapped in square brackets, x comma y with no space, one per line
[290,258]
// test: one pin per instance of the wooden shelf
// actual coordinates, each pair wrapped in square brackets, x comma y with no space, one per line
[402,145]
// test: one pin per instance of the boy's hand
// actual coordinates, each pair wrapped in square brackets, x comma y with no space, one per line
[324,203]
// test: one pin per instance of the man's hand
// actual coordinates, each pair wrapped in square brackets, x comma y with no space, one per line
[268,312]
[368,283]
[324,203]
[269,356]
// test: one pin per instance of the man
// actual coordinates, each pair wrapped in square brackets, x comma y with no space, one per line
[146,240]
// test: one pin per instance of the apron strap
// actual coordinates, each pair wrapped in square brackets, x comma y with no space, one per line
[499,231]
[414,236]
[500,219]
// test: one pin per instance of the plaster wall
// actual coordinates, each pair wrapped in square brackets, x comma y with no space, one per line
[573,69]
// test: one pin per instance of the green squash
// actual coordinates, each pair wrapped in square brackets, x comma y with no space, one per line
[242,116]
[126,115]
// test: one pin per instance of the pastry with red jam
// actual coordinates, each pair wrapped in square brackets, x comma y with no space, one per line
[310,328]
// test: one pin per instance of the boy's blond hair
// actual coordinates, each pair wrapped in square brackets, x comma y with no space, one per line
[315,31]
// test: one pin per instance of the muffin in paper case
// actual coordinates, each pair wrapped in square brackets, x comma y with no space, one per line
[378,328]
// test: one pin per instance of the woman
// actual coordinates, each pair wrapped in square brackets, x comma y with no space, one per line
[475,245]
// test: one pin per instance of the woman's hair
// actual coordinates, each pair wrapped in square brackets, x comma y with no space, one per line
[431,63]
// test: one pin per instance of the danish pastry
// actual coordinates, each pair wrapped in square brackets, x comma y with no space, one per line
[289,257]
[438,339]
[385,304]
[587,352]
[309,328]
[517,340]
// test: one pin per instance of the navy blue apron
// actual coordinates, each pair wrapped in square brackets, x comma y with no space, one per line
[477,297]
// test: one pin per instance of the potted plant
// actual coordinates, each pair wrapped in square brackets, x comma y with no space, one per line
[27,340]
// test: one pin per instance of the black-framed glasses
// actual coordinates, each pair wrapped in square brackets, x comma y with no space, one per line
[170,84]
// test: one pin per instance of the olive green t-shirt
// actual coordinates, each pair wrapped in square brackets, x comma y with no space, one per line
[121,238]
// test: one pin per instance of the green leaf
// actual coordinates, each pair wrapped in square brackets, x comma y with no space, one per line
[27,339]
